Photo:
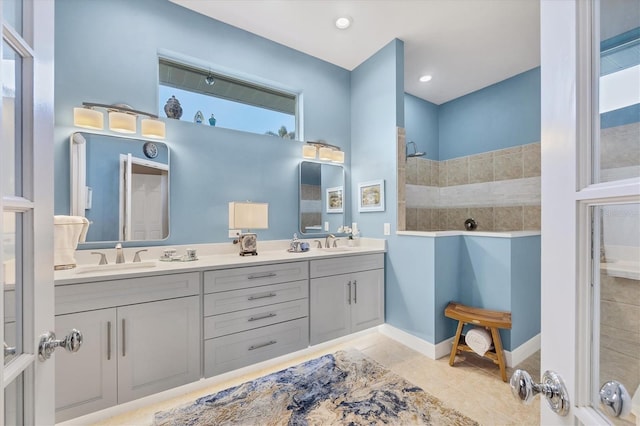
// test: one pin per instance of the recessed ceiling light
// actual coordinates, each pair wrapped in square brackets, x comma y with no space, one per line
[425,78]
[343,22]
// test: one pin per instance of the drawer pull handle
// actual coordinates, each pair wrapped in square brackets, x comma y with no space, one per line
[108,340]
[269,343]
[355,291]
[262,317]
[267,275]
[124,338]
[265,296]
[349,292]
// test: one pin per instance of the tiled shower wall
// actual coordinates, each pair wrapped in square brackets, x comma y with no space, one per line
[499,189]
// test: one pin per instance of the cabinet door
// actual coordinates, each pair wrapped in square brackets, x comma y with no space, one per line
[329,299]
[159,346]
[86,380]
[367,308]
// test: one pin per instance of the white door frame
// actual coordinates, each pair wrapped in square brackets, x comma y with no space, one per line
[36,46]
[569,117]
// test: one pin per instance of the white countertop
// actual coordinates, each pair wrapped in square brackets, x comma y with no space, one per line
[210,257]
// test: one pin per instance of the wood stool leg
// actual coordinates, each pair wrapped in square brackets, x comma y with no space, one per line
[497,343]
[454,348]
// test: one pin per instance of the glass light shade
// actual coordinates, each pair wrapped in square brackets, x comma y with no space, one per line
[337,156]
[88,118]
[326,153]
[309,151]
[151,128]
[122,122]
[248,215]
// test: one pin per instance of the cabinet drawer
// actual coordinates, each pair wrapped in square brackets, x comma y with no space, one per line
[253,276]
[230,301]
[107,294]
[249,347]
[346,265]
[234,322]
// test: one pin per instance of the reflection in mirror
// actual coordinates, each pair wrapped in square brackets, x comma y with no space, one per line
[121,185]
[322,197]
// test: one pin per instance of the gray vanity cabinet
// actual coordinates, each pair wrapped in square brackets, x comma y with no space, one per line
[134,344]
[254,313]
[346,295]
[86,381]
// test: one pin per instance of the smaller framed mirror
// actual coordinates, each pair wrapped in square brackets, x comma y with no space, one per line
[121,185]
[322,198]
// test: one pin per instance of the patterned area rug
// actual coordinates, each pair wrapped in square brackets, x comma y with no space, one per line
[343,388]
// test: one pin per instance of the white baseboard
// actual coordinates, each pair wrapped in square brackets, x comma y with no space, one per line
[442,349]
[523,351]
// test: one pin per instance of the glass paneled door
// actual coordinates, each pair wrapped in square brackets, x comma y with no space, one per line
[26,206]
[590,333]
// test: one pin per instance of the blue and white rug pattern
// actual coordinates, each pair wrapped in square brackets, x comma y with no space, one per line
[345,388]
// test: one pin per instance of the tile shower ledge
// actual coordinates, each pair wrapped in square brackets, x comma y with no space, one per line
[210,256]
[505,234]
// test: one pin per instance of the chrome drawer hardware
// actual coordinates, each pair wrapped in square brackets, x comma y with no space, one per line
[9,350]
[615,399]
[267,275]
[108,340]
[349,292]
[124,350]
[262,297]
[48,343]
[262,317]
[355,291]
[552,387]
[269,343]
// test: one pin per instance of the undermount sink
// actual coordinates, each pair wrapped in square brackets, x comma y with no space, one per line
[335,249]
[115,267]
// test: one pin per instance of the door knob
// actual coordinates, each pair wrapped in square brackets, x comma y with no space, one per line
[615,399]
[48,343]
[552,387]
[9,350]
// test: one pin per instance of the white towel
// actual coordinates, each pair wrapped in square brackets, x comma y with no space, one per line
[479,340]
[68,231]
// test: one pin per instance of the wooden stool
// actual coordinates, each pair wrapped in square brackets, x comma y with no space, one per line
[485,318]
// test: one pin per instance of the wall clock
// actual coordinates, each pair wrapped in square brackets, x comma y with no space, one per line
[150,149]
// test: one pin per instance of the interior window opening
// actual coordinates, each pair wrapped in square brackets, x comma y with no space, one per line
[210,98]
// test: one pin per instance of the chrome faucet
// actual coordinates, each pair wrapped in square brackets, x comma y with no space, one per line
[119,253]
[326,240]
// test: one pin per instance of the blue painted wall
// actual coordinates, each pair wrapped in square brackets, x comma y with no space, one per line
[377,108]
[210,166]
[503,115]
[525,289]
[421,125]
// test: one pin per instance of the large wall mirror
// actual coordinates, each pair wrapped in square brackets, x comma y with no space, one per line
[322,197]
[121,185]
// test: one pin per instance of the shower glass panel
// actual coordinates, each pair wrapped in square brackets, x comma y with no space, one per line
[616,328]
[616,151]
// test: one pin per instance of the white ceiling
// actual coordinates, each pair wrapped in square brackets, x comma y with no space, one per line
[464,44]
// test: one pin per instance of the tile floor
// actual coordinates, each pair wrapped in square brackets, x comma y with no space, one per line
[473,386]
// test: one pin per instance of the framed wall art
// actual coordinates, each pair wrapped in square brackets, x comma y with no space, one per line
[335,199]
[371,196]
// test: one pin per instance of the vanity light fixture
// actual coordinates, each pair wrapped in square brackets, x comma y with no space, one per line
[322,151]
[425,78]
[122,119]
[343,22]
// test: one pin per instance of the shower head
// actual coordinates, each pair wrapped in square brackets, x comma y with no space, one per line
[415,152]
